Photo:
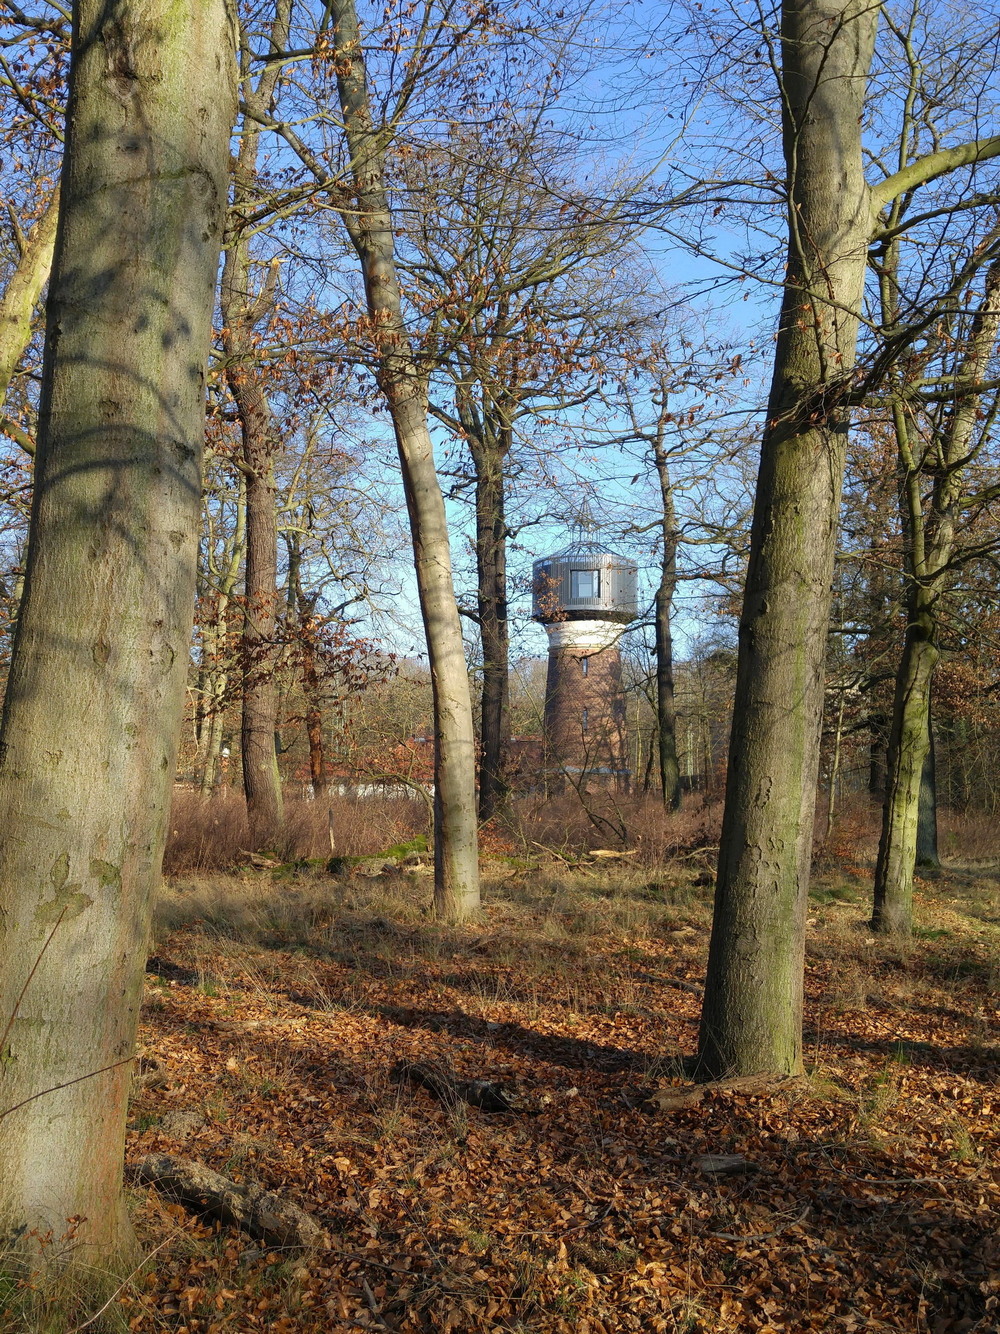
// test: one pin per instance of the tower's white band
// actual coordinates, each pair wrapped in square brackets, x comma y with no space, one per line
[583,637]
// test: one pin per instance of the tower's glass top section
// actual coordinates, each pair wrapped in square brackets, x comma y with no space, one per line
[585,581]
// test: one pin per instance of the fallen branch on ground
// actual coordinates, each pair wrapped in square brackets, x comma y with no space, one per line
[261,1213]
[480,1093]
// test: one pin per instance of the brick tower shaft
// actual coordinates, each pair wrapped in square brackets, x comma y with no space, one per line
[584,706]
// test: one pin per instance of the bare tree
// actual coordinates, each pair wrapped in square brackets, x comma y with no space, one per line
[526,298]
[939,448]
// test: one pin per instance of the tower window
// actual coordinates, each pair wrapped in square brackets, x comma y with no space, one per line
[584,584]
[585,716]
[584,664]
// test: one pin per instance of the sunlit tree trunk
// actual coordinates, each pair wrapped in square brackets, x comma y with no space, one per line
[838,736]
[214,648]
[242,311]
[927,827]
[92,712]
[303,607]
[908,743]
[752,1014]
[751,1018]
[23,290]
[261,780]
[369,224]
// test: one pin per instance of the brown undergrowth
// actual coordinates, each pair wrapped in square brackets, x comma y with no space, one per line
[870,1193]
[211,834]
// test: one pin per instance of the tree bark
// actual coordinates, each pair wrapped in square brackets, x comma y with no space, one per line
[23,291]
[752,1014]
[242,311]
[927,827]
[217,669]
[369,225]
[261,778]
[491,565]
[908,741]
[304,608]
[92,712]
[666,713]
[876,758]
[831,805]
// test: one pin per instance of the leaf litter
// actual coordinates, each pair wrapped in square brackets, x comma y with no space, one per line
[860,1197]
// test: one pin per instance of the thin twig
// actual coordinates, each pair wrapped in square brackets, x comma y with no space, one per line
[27,981]
[589,1226]
[68,1084]
[373,1304]
[125,1282]
[361,1258]
[762,1236]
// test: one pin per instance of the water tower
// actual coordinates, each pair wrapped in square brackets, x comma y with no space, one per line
[585,595]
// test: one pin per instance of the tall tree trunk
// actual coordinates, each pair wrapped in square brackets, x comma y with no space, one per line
[831,805]
[92,712]
[752,1015]
[927,826]
[216,673]
[242,311]
[666,712]
[314,721]
[876,758]
[304,609]
[261,778]
[491,565]
[210,773]
[369,225]
[908,741]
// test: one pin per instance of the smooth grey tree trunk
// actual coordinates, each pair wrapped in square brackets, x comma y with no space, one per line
[23,291]
[369,225]
[93,705]
[752,1015]
[908,743]
[215,675]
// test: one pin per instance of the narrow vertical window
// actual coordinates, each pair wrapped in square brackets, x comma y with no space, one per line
[585,714]
[584,664]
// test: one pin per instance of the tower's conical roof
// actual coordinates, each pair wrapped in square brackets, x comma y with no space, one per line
[584,530]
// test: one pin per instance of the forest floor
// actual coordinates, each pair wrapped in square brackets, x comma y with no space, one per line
[868,1195]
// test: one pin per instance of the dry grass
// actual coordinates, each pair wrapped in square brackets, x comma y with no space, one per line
[531,904]
[207,835]
[972,836]
[211,834]
[604,819]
